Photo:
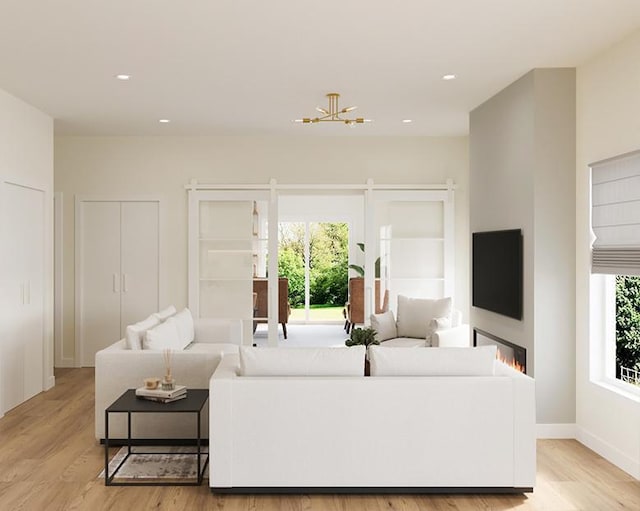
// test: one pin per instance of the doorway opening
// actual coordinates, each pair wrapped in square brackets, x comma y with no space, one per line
[314,256]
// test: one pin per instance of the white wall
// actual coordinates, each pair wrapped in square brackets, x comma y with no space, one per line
[134,165]
[522,155]
[608,124]
[26,158]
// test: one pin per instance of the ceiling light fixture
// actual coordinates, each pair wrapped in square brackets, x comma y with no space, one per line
[449,77]
[164,121]
[407,121]
[333,113]
[123,77]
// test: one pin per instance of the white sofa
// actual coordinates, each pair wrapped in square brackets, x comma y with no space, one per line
[118,368]
[380,433]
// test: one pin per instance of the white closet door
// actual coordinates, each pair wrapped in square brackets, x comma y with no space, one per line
[140,261]
[21,343]
[100,279]
[33,333]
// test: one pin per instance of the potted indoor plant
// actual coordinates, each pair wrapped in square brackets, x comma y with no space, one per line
[365,337]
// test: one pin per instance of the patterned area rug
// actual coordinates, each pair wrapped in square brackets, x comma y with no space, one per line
[157,466]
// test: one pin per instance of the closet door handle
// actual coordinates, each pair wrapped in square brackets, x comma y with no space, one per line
[124,282]
[115,283]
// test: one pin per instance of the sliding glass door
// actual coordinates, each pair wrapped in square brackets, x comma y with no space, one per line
[229,258]
[401,239]
[413,234]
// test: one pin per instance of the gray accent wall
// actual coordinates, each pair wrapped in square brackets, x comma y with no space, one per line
[522,161]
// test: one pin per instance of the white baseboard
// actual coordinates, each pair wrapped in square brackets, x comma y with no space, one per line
[66,362]
[609,452]
[556,430]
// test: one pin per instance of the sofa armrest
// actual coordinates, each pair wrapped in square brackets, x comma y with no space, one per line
[451,337]
[221,419]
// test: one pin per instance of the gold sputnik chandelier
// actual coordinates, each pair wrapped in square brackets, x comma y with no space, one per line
[333,114]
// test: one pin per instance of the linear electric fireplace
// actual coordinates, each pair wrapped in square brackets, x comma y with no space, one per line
[509,353]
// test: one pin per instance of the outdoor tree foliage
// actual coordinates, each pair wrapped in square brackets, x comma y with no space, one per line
[328,276]
[627,323]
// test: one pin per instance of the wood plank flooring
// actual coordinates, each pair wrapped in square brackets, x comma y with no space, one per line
[50,460]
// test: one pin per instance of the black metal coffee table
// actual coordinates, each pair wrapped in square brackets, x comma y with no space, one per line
[128,403]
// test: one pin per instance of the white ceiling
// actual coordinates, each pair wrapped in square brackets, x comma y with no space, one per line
[251,66]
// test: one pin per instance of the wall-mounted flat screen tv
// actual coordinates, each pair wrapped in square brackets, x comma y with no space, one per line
[497,272]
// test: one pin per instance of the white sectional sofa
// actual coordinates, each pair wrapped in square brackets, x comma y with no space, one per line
[119,367]
[471,430]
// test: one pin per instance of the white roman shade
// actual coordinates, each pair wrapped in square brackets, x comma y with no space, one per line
[615,215]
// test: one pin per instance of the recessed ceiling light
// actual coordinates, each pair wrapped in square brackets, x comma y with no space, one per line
[449,77]
[164,121]
[407,121]
[123,77]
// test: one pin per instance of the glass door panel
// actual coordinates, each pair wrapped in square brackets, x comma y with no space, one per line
[228,257]
[411,229]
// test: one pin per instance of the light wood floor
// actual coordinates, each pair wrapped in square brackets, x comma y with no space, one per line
[50,460]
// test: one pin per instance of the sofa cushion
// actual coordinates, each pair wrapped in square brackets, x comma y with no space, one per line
[165,314]
[163,336]
[385,326]
[184,323]
[405,342]
[218,348]
[478,361]
[135,333]
[414,314]
[302,361]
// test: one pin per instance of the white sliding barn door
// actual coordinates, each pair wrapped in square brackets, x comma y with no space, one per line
[22,340]
[117,271]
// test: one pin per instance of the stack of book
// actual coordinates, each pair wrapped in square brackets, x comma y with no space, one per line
[162,396]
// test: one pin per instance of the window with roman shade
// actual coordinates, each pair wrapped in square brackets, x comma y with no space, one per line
[615,215]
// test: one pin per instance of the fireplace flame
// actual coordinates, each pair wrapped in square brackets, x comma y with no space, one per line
[511,362]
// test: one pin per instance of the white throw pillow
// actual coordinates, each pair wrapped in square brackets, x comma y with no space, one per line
[165,314]
[385,326]
[478,361]
[135,333]
[302,361]
[435,325]
[184,322]
[414,315]
[163,336]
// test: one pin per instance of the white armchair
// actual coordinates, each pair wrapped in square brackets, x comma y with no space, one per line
[422,322]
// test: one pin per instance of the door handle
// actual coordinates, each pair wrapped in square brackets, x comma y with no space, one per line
[115,283]
[124,282]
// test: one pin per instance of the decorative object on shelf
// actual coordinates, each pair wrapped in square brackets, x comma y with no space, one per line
[167,381]
[360,270]
[333,113]
[362,336]
[163,395]
[255,218]
[151,383]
